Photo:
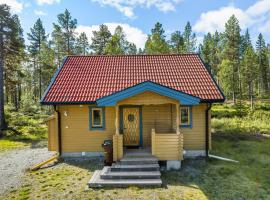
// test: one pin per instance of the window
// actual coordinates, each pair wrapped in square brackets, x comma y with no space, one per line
[97,118]
[185,117]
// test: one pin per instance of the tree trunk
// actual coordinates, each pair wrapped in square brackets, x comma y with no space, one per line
[3,124]
[39,69]
[19,94]
[251,96]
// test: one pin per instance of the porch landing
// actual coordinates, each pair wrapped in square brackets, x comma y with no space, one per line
[137,167]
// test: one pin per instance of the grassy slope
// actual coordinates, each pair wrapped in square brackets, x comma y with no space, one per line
[196,180]
[7,144]
[228,118]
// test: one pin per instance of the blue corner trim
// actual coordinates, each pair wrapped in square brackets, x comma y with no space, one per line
[184,98]
[122,121]
[52,82]
[190,118]
[90,119]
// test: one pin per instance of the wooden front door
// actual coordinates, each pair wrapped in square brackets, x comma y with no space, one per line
[131,126]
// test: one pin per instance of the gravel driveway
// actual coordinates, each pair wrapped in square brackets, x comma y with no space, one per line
[14,163]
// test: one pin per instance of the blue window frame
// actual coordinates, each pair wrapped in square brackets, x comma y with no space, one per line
[96,118]
[186,116]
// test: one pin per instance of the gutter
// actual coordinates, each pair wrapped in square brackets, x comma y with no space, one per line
[59,131]
[207,130]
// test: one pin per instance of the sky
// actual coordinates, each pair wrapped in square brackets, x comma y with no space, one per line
[137,17]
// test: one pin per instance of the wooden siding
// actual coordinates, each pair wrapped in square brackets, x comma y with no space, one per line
[52,133]
[194,138]
[167,146]
[147,98]
[158,117]
[76,136]
[117,147]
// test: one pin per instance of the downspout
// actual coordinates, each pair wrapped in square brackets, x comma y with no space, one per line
[207,130]
[59,131]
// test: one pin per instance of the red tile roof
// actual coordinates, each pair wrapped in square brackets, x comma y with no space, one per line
[88,78]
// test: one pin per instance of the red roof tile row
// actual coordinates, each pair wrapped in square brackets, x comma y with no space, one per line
[88,78]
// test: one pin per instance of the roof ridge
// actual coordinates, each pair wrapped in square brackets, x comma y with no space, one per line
[136,55]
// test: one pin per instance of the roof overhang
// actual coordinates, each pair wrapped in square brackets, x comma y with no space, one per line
[183,98]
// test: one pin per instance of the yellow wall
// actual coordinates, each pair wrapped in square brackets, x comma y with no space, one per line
[158,117]
[194,138]
[147,98]
[52,133]
[76,136]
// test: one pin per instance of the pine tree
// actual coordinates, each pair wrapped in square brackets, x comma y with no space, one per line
[37,37]
[206,50]
[189,39]
[231,53]
[100,39]
[118,44]
[249,71]
[82,44]
[263,63]
[245,43]
[11,53]
[67,25]
[131,49]
[215,54]
[177,42]
[156,42]
[58,44]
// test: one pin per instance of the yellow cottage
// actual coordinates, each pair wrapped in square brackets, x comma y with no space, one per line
[156,102]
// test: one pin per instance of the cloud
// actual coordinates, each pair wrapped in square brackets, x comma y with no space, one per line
[127,6]
[216,19]
[49,2]
[259,8]
[133,34]
[15,5]
[40,12]
[254,17]
[265,28]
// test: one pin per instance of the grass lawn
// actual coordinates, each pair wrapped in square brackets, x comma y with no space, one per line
[7,144]
[249,179]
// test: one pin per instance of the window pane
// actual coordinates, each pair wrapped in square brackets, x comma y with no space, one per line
[97,118]
[184,115]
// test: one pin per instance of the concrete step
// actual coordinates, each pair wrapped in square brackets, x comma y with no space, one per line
[138,160]
[97,181]
[133,168]
[137,154]
[106,173]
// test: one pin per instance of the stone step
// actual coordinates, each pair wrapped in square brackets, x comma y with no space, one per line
[96,181]
[138,160]
[106,173]
[137,154]
[132,168]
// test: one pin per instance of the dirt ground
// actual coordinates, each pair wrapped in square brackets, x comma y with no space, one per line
[14,163]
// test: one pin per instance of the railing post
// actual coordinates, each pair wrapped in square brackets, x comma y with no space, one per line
[115,147]
[177,117]
[117,119]
[153,141]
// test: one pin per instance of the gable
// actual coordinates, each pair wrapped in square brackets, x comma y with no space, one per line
[147,98]
[148,86]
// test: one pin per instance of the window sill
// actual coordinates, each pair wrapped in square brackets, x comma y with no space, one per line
[97,129]
[185,126]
